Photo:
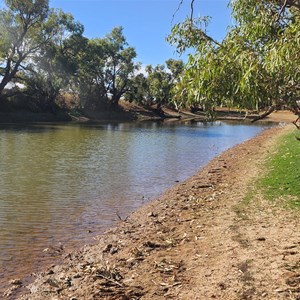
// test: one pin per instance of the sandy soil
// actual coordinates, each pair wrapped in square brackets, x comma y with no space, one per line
[203,239]
[282,116]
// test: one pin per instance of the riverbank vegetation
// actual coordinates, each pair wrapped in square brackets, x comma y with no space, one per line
[47,64]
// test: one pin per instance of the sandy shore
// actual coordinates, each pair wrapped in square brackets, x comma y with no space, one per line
[199,240]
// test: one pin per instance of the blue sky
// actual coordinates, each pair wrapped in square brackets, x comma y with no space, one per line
[146,23]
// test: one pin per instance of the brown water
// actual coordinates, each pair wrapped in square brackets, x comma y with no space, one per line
[60,185]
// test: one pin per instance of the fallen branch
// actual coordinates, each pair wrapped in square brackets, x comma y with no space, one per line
[265,114]
[110,280]
[120,218]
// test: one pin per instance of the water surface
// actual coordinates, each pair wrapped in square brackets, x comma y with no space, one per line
[62,184]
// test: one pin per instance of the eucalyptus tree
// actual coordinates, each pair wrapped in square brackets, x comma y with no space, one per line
[120,66]
[23,31]
[33,45]
[156,85]
[139,90]
[161,79]
[108,68]
[51,71]
[91,85]
[175,68]
[159,85]
[255,66]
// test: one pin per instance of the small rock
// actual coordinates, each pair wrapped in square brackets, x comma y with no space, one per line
[152,214]
[222,286]
[15,282]
[52,282]
[68,281]
[204,186]
[113,250]
[107,248]
[152,244]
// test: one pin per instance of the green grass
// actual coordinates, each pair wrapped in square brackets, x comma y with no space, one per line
[282,179]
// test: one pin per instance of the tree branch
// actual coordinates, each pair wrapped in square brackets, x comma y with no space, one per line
[295,123]
[177,10]
[265,114]
[211,39]
[192,9]
[281,10]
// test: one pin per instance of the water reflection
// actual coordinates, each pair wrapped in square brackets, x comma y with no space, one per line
[57,182]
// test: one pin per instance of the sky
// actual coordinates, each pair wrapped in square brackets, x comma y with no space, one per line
[146,23]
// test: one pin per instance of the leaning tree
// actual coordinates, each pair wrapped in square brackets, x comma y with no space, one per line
[29,32]
[22,33]
[257,64]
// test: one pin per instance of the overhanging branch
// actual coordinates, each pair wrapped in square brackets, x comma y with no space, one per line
[192,9]
[177,10]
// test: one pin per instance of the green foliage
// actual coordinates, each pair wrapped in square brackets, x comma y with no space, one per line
[107,68]
[139,90]
[36,49]
[159,84]
[22,32]
[256,65]
[156,87]
[44,50]
[47,74]
[119,64]
[283,172]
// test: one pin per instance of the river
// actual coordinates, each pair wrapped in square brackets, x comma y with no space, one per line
[62,184]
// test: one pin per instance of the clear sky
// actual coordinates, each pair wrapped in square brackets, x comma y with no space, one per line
[146,23]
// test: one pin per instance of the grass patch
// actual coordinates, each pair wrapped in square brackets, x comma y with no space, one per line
[282,179]
[240,209]
[248,197]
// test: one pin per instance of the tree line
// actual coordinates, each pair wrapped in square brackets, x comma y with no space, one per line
[45,56]
[45,59]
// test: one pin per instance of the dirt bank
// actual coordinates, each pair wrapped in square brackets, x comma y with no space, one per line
[199,240]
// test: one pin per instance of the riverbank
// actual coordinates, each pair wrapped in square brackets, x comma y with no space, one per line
[202,239]
[130,112]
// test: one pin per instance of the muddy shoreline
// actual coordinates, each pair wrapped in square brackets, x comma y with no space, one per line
[184,245]
[159,251]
